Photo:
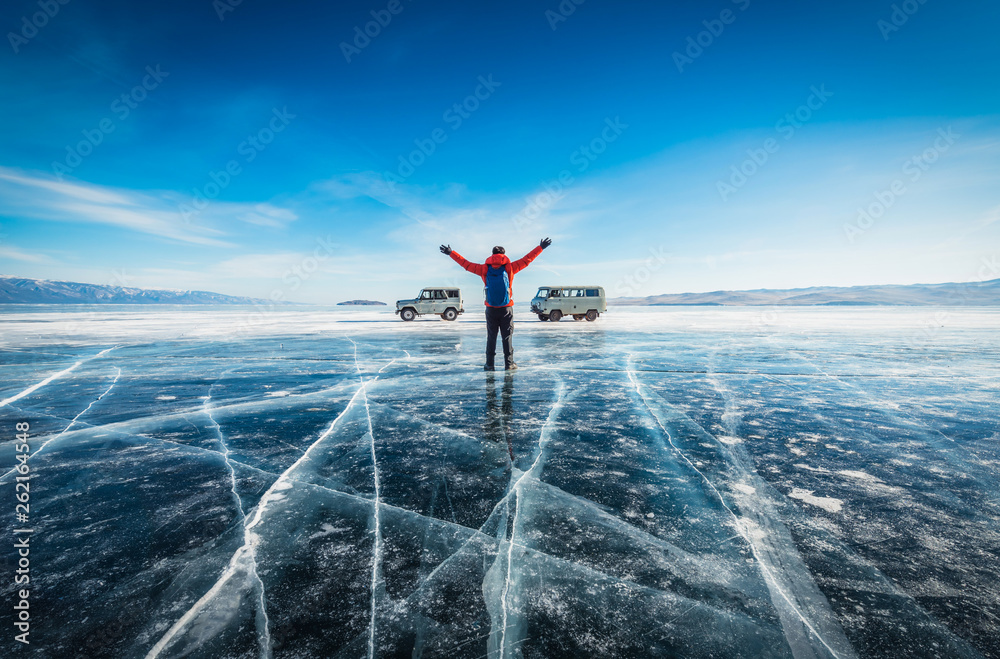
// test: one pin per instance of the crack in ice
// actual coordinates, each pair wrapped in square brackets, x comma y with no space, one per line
[71,423]
[642,536]
[878,576]
[589,573]
[250,405]
[251,539]
[264,639]
[377,552]
[479,534]
[517,490]
[55,376]
[950,456]
[745,528]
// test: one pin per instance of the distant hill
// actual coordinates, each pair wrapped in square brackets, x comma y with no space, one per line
[362,303]
[17,290]
[986,293]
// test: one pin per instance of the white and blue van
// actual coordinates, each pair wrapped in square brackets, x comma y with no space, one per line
[554,302]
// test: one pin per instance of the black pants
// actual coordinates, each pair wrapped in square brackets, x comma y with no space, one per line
[499,319]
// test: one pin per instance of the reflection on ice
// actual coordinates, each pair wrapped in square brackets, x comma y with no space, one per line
[670,483]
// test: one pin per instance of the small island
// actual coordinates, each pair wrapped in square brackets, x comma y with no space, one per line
[369,303]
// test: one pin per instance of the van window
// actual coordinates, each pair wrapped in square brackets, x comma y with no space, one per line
[554,293]
[593,292]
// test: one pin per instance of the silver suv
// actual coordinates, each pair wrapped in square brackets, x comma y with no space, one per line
[554,302]
[443,301]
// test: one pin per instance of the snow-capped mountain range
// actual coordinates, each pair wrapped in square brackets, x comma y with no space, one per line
[979,293]
[20,290]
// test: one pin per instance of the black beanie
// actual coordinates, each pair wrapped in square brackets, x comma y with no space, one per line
[498,250]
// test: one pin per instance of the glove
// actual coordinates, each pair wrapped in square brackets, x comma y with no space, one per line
[446,249]
[545,242]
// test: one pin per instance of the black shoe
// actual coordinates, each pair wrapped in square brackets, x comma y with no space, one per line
[511,366]
[489,367]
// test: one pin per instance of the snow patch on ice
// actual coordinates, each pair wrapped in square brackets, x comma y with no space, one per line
[828,504]
[327,529]
[860,475]
[819,470]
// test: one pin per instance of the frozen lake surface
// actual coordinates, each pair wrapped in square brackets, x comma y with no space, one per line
[674,482]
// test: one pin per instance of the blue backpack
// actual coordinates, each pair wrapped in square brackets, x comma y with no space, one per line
[497,287]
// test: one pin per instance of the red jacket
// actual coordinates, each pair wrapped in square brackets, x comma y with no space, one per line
[498,260]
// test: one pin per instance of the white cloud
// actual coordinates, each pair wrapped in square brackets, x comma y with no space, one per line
[90,193]
[471,224]
[257,266]
[20,255]
[268,216]
[784,228]
[151,212]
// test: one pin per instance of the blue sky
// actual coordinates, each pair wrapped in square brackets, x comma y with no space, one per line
[619,129]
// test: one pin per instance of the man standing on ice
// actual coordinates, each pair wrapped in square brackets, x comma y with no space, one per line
[498,277]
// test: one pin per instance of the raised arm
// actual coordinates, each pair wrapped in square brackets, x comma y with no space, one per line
[522,263]
[474,268]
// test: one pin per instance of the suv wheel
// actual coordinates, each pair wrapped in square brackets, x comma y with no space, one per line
[408,314]
[555,315]
[592,315]
[449,314]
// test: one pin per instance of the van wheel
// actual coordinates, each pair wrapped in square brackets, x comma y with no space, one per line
[449,314]
[592,315]
[542,316]
[407,314]
[578,316]
[555,315]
